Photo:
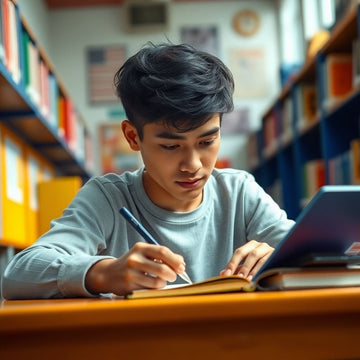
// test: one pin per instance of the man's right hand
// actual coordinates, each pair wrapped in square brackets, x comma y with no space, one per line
[144,266]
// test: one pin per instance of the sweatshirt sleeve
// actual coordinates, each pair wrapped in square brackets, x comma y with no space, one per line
[55,266]
[266,221]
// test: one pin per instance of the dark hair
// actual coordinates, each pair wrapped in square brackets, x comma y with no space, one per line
[175,84]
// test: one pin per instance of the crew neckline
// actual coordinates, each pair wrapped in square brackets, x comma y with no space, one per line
[161,214]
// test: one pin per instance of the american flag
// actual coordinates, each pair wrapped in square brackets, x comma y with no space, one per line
[102,65]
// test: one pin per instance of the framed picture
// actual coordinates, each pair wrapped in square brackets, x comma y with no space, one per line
[102,64]
[236,122]
[204,38]
[248,68]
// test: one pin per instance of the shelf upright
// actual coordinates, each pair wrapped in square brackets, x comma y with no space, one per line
[292,187]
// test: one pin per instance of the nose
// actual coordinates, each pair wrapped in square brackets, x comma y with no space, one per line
[191,162]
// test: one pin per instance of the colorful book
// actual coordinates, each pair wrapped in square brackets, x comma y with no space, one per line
[338,77]
[356,62]
[14,36]
[53,102]
[355,161]
[307,107]
[313,177]
[286,133]
[80,139]
[62,114]
[70,124]
[270,134]
[6,29]
[2,35]
[44,90]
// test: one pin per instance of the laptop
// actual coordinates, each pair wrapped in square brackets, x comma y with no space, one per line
[326,233]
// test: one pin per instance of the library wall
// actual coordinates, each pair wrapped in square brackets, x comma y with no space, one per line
[36,14]
[103,26]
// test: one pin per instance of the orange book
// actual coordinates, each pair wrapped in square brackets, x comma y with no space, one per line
[309,102]
[320,174]
[339,74]
[70,124]
[62,114]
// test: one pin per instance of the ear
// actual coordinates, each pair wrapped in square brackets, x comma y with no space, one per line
[130,134]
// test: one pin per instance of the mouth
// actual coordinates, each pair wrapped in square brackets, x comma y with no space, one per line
[189,183]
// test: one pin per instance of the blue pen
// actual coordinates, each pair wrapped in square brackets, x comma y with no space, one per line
[130,218]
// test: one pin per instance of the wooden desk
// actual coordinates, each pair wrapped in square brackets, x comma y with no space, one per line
[311,324]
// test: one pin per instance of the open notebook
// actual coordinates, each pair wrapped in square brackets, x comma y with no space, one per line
[321,250]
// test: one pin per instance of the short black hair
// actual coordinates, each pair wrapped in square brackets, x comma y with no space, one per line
[174,84]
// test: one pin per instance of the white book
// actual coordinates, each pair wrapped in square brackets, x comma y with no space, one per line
[14,65]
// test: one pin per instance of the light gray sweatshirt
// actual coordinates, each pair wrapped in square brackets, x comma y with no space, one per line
[234,209]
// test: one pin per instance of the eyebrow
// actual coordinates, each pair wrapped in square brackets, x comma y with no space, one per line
[176,136]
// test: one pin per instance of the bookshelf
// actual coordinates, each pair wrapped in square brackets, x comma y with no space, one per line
[310,134]
[23,114]
[42,135]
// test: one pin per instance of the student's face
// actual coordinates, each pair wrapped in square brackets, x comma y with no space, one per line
[178,164]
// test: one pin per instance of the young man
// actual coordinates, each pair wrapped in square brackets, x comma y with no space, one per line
[207,221]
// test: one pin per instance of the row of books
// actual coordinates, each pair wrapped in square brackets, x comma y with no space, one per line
[278,125]
[28,197]
[32,72]
[345,167]
[313,178]
[300,110]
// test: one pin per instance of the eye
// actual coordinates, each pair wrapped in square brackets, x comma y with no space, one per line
[207,142]
[169,147]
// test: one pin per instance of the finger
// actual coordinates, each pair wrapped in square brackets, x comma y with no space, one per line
[164,255]
[254,260]
[141,280]
[238,257]
[153,259]
[159,269]
[257,266]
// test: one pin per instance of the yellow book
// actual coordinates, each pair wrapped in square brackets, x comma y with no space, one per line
[54,196]
[271,280]
[13,189]
[37,169]
[62,113]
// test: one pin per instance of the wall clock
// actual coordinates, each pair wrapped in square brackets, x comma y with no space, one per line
[246,22]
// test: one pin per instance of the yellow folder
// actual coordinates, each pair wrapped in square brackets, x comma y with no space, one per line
[13,189]
[54,196]
[37,169]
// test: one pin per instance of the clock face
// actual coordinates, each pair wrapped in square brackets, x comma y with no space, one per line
[246,22]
